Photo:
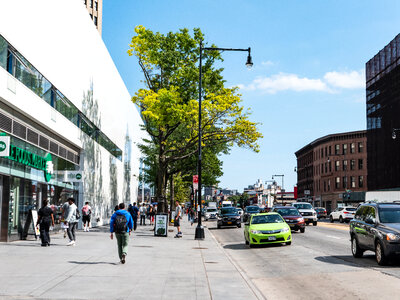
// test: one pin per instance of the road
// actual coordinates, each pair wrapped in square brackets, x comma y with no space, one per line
[318,265]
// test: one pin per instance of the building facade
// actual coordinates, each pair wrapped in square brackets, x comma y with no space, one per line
[383,110]
[333,169]
[95,9]
[67,120]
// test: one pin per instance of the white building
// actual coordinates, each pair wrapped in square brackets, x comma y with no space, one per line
[62,101]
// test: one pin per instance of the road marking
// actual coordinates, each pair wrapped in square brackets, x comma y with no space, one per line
[334,237]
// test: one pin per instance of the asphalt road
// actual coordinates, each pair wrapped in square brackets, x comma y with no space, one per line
[317,265]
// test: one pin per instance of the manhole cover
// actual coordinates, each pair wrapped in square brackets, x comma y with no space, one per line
[199,248]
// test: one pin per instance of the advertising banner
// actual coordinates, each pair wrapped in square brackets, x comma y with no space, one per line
[161,225]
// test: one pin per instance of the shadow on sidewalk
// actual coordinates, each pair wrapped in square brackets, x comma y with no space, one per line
[92,263]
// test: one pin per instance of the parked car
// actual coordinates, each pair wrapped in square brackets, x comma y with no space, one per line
[266,228]
[376,227]
[292,217]
[228,216]
[249,210]
[321,212]
[307,211]
[342,214]
[210,213]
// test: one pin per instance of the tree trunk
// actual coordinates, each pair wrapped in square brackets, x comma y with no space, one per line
[172,202]
[161,186]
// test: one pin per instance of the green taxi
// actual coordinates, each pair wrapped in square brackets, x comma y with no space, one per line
[267,228]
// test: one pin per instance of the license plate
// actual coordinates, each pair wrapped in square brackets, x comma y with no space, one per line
[272,238]
[229,223]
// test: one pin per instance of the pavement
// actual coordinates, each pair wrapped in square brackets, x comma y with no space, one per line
[156,268]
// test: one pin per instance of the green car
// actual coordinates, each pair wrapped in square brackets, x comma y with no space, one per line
[267,228]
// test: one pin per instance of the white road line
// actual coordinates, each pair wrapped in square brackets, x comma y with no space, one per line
[334,237]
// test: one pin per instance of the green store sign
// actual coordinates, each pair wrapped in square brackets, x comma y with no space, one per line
[32,160]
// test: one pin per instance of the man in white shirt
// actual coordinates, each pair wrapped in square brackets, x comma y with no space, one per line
[178,215]
[142,214]
[72,221]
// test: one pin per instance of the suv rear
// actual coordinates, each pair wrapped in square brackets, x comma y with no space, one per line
[307,211]
[376,227]
[342,214]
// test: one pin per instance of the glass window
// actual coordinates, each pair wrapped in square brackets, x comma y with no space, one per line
[337,149]
[95,20]
[353,181]
[264,219]
[360,164]
[91,3]
[361,212]
[352,164]
[360,147]
[344,182]
[360,181]
[3,52]
[337,165]
[352,148]
[370,213]
[96,6]
[329,185]
[389,215]
[344,146]
[288,212]
[337,183]
[344,165]
[330,150]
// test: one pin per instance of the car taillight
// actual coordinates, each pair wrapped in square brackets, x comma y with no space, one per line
[325,211]
[346,212]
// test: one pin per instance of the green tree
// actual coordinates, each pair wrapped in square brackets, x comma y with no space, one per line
[169,106]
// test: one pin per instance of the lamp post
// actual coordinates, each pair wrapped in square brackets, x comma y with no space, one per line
[199,234]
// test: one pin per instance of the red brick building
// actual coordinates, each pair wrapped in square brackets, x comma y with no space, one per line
[333,169]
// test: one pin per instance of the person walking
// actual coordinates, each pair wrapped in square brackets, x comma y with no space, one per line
[178,216]
[121,224]
[151,214]
[45,218]
[72,221]
[142,214]
[134,211]
[86,214]
[64,215]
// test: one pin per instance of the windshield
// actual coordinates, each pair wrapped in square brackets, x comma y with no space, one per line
[228,210]
[264,219]
[211,209]
[252,209]
[288,212]
[389,215]
[320,209]
[303,206]
[350,208]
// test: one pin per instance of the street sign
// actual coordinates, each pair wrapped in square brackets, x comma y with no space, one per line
[5,146]
[195,182]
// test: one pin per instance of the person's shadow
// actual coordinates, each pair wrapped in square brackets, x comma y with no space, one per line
[92,262]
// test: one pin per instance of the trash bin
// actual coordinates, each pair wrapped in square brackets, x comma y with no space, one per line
[161,224]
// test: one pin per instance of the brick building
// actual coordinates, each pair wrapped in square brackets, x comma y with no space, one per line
[95,9]
[333,169]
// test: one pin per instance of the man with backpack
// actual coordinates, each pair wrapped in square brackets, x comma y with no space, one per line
[121,223]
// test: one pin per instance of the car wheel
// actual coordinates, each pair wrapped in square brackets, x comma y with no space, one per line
[341,219]
[302,230]
[355,248]
[331,219]
[239,225]
[380,256]
[288,243]
[315,223]
[246,241]
[219,226]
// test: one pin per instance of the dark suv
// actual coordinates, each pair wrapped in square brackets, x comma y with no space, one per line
[250,210]
[292,217]
[229,216]
[376,227]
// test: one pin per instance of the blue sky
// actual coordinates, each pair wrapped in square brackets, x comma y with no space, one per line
[308,75]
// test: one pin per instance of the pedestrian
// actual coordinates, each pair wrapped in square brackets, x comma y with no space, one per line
[142,214]
[45,218]
[86,214]
[191,215]
[121,223]
[64,215]
[134,211]
[178,216]
[72,221]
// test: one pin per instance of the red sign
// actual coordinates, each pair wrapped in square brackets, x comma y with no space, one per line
[195,182]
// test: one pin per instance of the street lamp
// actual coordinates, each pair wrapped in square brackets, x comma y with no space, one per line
[199,234]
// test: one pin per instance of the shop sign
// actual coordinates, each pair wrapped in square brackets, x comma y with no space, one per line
[4,146]
[161,225]
[70,176]
[32,160]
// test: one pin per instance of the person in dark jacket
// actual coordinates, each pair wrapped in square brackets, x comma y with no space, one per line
[45,219]
[134,211]
[122,235]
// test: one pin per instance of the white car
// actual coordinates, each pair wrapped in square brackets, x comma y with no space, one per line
[210,213]
[307,212]
[342,214]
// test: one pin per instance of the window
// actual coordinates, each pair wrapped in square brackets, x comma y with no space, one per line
[370,213]
[85,2]
[322,169]
[361,212]
[91,3]
[337,149]
[324,186]
[326,151]
[360,147]
[330,150]
[95,20]
[353,148]
[344,182]
[337,183]
[322,152]
[330,166]
[360,164]
[352,164]
[344,165]
[353,181]
[329,185]
[326,167]
[96,5]
[360,181]
[337,165]
[91,16]
[344,146]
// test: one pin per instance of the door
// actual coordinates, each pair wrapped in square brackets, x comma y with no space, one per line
[370,228]
[359,226]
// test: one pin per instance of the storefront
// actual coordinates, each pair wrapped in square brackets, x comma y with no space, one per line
[28,176]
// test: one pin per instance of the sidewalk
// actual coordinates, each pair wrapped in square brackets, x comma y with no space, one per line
[156,268]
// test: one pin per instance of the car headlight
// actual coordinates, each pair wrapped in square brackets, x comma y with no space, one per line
[285,230]
[392,237]
[300,220]
[255,231]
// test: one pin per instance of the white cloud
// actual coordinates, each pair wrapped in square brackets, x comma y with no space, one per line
[267,63]
[346,80]
[331,82]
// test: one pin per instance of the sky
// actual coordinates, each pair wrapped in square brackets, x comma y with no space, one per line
[308,78]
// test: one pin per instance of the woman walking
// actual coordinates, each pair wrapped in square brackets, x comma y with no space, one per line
[45,218]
